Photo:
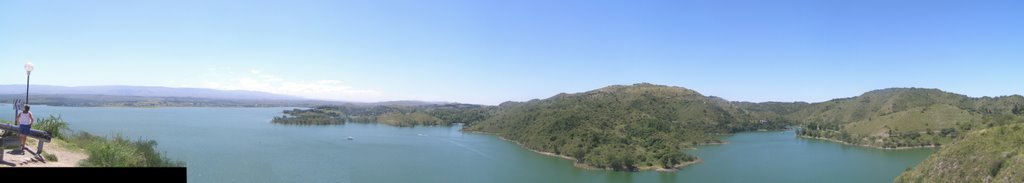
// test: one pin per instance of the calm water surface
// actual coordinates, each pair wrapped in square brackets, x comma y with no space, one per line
[241,145]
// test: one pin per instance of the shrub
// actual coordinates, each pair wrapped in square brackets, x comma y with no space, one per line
[50,157]
[53,124]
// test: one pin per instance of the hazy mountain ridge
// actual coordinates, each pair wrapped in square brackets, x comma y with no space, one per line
[147,91]
[154,96]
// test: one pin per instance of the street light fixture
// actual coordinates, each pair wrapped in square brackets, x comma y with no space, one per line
[28,75]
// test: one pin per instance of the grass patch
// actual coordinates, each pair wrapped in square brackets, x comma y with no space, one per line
[119,151]
[50,157]
[116,151]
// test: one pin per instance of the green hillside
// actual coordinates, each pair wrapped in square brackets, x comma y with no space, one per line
[905,117]
[987,155]
[410,119]
[642,126]
[646,126]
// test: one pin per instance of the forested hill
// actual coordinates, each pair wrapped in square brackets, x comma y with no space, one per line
[625,127]
[906,117]
[988,155]
[647,126]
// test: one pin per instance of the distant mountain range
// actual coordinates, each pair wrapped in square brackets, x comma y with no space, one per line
[147,91]
[155,96]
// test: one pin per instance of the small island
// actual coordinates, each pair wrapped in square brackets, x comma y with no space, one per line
[397,115]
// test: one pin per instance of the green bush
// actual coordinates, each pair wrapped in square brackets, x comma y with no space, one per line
[53,124]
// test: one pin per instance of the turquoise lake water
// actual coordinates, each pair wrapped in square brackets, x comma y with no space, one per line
[241,145]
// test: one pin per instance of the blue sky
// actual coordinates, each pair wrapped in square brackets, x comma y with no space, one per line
[488,52]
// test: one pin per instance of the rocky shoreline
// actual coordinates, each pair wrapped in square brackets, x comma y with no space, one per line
[865,145]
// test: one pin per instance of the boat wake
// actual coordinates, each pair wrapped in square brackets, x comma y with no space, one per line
[470,149]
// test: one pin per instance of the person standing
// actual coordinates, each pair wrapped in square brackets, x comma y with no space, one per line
[24,121]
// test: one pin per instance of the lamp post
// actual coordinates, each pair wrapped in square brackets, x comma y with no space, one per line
[28,75]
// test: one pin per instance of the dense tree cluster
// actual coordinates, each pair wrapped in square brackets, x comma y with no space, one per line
[309,117]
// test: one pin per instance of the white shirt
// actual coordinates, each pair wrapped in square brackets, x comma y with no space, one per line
[23,118]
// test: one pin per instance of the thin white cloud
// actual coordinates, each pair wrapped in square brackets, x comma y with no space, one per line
[257,80]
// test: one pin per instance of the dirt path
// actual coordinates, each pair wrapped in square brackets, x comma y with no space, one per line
[66,157]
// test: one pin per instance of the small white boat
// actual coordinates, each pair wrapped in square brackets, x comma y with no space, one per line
[351,138]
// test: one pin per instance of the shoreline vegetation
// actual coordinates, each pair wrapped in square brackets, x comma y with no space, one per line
[897,118]
[102,151]
[578,164]
[626,127]
[403,116]
[867,146]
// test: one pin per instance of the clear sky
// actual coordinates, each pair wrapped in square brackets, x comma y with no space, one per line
[491,51]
